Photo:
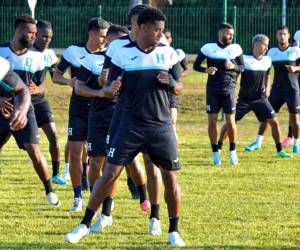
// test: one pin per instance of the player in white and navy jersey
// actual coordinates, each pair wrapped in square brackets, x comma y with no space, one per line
[224,63]
[254,86]
[72,58]
[145,122]
[29,65]
[43,113]
[285,88]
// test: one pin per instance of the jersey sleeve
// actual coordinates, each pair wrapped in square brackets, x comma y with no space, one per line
[297,36]
[65,60]
[84,74]
[199,60]
[114,72]
[175,71]
[12,79]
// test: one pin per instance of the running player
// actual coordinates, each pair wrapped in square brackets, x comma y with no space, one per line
[224,62]
[79,106]
[29,65]
[285,88]
[42,110]
[145,122]
[254,89]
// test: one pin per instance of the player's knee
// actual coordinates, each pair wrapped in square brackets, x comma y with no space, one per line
[53,139]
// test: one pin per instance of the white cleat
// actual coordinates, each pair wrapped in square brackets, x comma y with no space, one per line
[53,199]
[233,158]
[75,235]
[154,227]
[77,205]
[174,239]
[216,157]
[102,221]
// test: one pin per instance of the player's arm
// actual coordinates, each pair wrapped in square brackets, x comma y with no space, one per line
[237,65]
[105,71]
[294,68]
[197,66]
[267,84]
[185,66]
[37,86]
[114,81]
[59,71]
[172,79]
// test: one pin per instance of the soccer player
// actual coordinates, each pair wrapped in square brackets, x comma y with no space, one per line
[254,89]
[29,65]
[224,62]
[42,110]
[145,122]
[185,67]
[285,88]
[79,106]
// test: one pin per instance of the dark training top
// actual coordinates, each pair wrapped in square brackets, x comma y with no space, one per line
[217,54]
[146,102]
[254,76]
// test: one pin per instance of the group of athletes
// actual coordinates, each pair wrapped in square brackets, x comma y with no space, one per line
[124,86]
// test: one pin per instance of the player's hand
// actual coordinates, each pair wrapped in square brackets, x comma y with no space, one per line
[229,65]
[5,104]
[103,77]
[291,68]
[33,88]
[115,85]
[296,44]
[72,82]
[18,120]
[163,77]
[267,92]
[211,70]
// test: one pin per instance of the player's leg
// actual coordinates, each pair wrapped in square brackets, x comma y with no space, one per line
[84,177]
[66,174]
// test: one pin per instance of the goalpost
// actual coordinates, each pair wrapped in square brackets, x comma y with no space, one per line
[32,4]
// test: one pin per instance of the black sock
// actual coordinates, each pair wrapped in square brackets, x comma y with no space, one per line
[232,146]
[48,187]
[91,189]
[88,216]
[173,227]
[154,211]
[278,147]
[106,206]
[84,169]
[129,181]
[55,168]
[214,147]
[220,145]
[142,192]
[290,134]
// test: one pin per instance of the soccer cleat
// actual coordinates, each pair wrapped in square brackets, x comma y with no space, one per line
[145,206]
[53,199]
[133,190]
[233,158]
[77,205]
[76,234]
[174,239]
[57,179]
[154,227]
[84,183]
[66,174]
[296,149]
[287,142]
[102,221]
[216,158]
[253,146]
[283,154]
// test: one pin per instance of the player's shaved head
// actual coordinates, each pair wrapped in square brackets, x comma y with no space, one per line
[22,20]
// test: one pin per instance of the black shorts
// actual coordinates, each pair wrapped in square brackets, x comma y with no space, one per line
[172,100]
[43,113]
[113,128]
[160,144]
[291,97]
[262,109]
[215,101]
[77,128]
[96,138]
[27,135]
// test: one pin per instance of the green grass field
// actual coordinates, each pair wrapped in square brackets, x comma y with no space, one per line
[255,205]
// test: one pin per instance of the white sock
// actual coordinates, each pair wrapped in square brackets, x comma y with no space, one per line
[259,139]
[67,166]
[296,142]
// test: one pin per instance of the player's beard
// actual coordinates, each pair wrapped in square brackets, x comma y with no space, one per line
[226,41]
[25,43]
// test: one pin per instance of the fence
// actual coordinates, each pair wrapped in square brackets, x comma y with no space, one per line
[191,26]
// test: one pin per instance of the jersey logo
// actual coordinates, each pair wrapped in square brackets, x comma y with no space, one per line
[89,146]
[107,139]
[208,108]
[111,152]
[160,58]
[70,131]
[133,58]
[82,57]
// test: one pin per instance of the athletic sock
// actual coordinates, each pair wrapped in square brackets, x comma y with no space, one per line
[48,187]
[220,145]
[55,168]
[296,142]
[88,216]
[278,147]
[154,211]
[77,191]
[290,133]
[106,206]
[214,147]
[129,181]
[232,146]
[91,189]
[259,139]
[84,173]
[142,192]
[173,224]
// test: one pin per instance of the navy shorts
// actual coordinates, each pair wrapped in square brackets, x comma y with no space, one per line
[43,113]
[215,101]
[172,100]
[77,128]
[262,109]
[291,97]
[28,135]
[160,144]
